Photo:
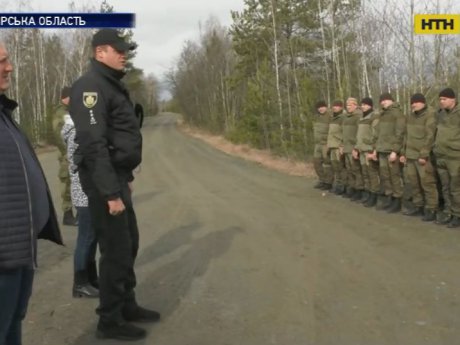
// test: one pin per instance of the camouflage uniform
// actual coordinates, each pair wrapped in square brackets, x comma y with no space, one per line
[364,144]
[58,123]
[352,166]
[334,142]
[321,160]
[420,133]
[389,137]
[447,153]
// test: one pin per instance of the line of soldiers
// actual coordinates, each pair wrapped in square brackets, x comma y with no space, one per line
[380,158]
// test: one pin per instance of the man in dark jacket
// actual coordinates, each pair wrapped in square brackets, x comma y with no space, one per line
[110,148]
[26,213]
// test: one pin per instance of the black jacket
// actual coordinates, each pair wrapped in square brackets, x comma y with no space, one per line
[108,133]
[18,224]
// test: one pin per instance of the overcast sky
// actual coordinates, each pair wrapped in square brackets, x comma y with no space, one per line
[162,26]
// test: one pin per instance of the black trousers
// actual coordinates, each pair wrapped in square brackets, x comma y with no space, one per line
[118,238]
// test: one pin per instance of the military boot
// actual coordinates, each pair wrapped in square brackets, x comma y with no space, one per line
[349,192]
[364,197]
[339,190]
[429,215]
[357,195]
[69,219]
[327,186]
[395,206]
[372,201]
[454,222]
[443,218]
[413,211]
[383,202]
[318,185]
[82,286]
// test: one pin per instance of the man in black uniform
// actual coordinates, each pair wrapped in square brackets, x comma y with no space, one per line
[110,147]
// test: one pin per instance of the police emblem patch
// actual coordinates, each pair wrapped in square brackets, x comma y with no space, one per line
[89,99]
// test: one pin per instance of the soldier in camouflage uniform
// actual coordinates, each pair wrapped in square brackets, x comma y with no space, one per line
[58,123]
[388,139]
[321,160]
[419,171]
[335,147]
[352,165]
[364,146]
[447,154]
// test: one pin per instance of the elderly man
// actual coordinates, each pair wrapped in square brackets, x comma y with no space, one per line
[26,213]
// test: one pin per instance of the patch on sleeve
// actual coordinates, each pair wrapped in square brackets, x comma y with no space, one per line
[89,99]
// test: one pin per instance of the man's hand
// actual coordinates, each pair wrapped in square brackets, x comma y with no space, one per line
[372,156]
[393,157]
[116,207]
[403,159]
[355,154]
[341,150]
[422,161]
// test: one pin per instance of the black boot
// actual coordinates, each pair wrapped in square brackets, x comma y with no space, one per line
[69,219]
[365,196]
[82,287]
[92,274]
[122,331]
[372,201]
[383,202]
[413,211]
[454,222]
[136,313]
[429,216]
[395,206]
[358,194]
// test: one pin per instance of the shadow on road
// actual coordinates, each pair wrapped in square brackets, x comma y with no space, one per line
[166,286]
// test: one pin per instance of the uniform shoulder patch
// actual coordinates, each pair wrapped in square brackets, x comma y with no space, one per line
[89,99]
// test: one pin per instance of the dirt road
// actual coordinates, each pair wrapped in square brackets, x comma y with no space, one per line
[234,254]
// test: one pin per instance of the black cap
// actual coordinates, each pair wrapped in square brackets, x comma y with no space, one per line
[447,93]
[112,38]
[417,98]
[337,103]
[386,97]
[320,104]
[368,101]
[65,92]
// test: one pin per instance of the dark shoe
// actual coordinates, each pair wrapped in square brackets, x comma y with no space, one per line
[414,211]
[383,202]
[92,274]
[364,197]
[318,185]
[85,290]
[454,222]
[443,218]
[124,331]
[357,195]
[139,314]
[69,219]
[429,216]
[372,201]
[395,206]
